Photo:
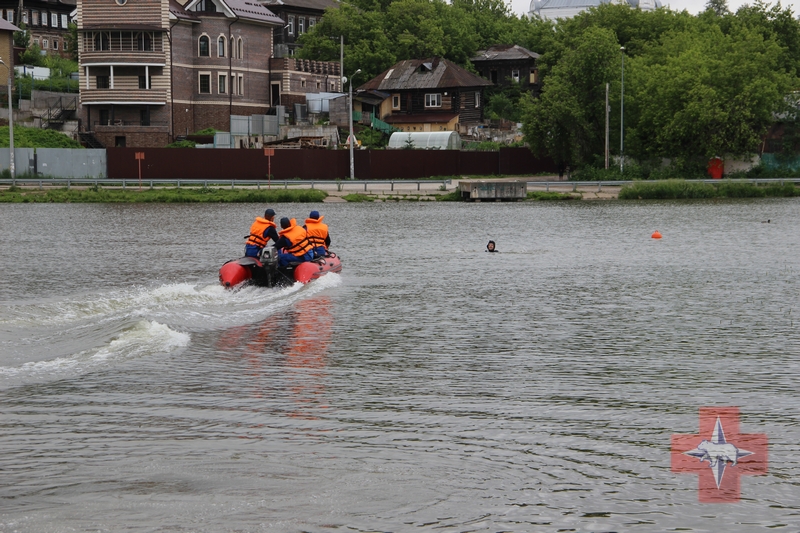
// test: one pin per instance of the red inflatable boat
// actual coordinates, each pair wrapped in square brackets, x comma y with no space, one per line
[266,273]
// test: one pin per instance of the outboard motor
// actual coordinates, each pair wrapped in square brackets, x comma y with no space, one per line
[269,257]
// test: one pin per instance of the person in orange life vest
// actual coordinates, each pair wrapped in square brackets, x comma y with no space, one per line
[317,234]
[293,245]
[262,230]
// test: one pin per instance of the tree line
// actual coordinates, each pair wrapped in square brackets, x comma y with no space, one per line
[695,86]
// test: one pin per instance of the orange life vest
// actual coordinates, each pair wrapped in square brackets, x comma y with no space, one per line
[256,237]
[297,236]
[317,232]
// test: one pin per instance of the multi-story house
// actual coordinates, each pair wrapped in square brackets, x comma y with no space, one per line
[152,70]
[506,64]
[426,95]
[299,16]
[46,21]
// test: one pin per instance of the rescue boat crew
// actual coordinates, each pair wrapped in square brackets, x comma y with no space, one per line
[317,234]
[293,245]
[262,230]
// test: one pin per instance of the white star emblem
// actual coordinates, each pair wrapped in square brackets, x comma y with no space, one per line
[718,452]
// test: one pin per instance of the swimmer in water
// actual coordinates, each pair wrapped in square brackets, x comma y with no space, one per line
[490,247]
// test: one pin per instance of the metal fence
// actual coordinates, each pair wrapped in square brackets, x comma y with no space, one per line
[57,162]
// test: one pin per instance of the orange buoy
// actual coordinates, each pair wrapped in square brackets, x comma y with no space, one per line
[656,235]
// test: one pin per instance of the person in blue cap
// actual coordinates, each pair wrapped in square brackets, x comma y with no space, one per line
[262,230]
[317,234]
[293,245]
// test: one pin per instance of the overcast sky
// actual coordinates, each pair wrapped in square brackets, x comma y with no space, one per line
[692,6]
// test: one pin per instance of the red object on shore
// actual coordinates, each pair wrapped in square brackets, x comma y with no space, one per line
[716,168]
[656,235]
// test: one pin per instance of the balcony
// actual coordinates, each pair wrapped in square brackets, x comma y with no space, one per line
[107,57]
[123,96]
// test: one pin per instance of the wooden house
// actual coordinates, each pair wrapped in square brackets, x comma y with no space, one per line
[506,64]
[426,95]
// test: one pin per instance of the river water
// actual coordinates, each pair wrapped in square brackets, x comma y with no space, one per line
[430,386]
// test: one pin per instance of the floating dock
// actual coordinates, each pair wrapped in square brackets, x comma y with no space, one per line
[497,191]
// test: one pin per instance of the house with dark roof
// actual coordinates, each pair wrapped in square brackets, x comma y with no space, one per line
[425,95]
[506,64]
[47,22]
[299,17]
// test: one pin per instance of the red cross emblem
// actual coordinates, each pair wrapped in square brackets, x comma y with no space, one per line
[719,454]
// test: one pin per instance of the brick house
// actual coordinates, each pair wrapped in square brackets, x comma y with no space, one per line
[7,30]
[46,20]
[298,16]
[180,69]
[427,95]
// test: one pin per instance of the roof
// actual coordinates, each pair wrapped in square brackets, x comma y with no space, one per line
[372,97]
[249,10]
[252,10]
[504,52]
[434,73]
[177,10]
[434,118]
[550,9]
[317,5]
[7,26]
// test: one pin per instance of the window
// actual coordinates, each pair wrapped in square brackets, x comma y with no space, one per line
[221,83]
[241,85]
[25,17]
[291,24]
[102,82]
[515,75]
[477,99]
[395,101]
[45,44]
[301,25]
[303,84]
[221,47]
[240,50]
[144,82]
[101,41]
[311,22]
[35,17]
[44,18]
[319,85]
[233,48]
[433,100]
[203,46]
[206,6]
[144,42]
[36,41]
[54,20]
[64,21]
[10,15]
[55,44]
[205,84]
[66,43]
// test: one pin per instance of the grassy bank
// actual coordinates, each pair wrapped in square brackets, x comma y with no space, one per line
[682,189]
[176,196]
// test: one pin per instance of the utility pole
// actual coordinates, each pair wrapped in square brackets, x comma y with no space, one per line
[607,110]
[622,116]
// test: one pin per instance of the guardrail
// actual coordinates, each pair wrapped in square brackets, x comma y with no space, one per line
[232,184]
[339,184]
[599,184]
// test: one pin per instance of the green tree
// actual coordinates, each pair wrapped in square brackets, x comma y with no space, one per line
[23,37]
[567,121]
[71,40]
[705,93]
[718,7]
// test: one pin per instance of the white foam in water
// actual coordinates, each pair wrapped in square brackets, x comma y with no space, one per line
[144,338]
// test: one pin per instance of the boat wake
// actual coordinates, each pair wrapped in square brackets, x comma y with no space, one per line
[47,340]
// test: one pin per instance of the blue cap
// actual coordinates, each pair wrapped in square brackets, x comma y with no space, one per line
[269,212]
[314,214]
[285,223]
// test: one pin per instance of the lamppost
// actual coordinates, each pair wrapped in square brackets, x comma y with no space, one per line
[622,115]
[350,120]
[10,125]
